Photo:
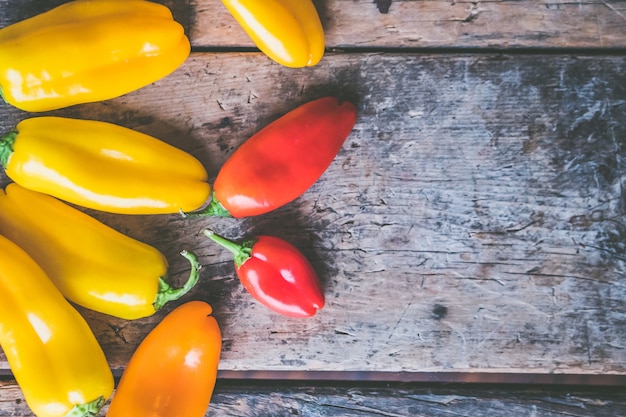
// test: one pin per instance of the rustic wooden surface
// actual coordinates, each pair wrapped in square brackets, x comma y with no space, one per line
[410,23]
[474,221]
[442,23]
[279,400]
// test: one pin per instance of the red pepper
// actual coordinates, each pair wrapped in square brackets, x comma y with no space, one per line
[275,273]
[173,371]
[281,161]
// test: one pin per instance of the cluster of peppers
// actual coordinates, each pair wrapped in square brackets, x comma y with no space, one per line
[64,255]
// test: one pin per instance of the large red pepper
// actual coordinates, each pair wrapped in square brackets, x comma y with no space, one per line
[173,371]
[276,273]
[281,161]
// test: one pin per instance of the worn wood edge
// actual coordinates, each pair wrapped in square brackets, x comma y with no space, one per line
[426,377]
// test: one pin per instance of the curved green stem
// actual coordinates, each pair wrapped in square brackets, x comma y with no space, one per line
[166,293]
[241,252]
[6,147]
[91,409]
[213,209]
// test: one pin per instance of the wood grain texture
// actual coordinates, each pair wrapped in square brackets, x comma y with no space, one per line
[472,222]
[411,402]
[330,401]
[443,23]
[409,23]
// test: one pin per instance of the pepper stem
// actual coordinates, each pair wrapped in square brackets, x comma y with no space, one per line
[213,209]
[91,409]
[241,252]
[6,147]
[166,293]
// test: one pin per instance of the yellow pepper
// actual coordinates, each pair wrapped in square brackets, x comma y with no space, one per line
[92,264]
[51,350]
[287,31]
[86,51]
[103,166]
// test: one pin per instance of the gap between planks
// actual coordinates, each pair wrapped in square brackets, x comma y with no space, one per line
[461,50]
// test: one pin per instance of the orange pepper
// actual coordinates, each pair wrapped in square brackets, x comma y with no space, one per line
[173,371]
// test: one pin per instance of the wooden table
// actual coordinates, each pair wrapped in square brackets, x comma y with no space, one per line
[472,228]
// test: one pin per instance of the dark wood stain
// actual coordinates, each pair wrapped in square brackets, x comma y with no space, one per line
[383,5]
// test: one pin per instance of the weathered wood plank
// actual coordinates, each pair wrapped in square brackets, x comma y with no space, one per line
[410,23]
[413,402]
[473,221]
[444,23]
[272,400]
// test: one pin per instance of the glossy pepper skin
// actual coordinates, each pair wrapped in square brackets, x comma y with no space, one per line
[276,273]
[92,264]
[282,160]
[103,166]
[86,51]
[287,31]
[51,350]
[173,371]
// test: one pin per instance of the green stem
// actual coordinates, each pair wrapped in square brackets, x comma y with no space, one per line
[91,409]
[241,252]
[6,147]
[213,209]
[166,293]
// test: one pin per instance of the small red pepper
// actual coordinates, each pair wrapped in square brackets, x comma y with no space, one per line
[276,273]
[281,161]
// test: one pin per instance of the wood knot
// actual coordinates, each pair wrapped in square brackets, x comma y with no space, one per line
[439,311]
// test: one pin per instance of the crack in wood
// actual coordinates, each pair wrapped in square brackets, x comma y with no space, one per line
[365,410]
[613,9]
[118,332]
